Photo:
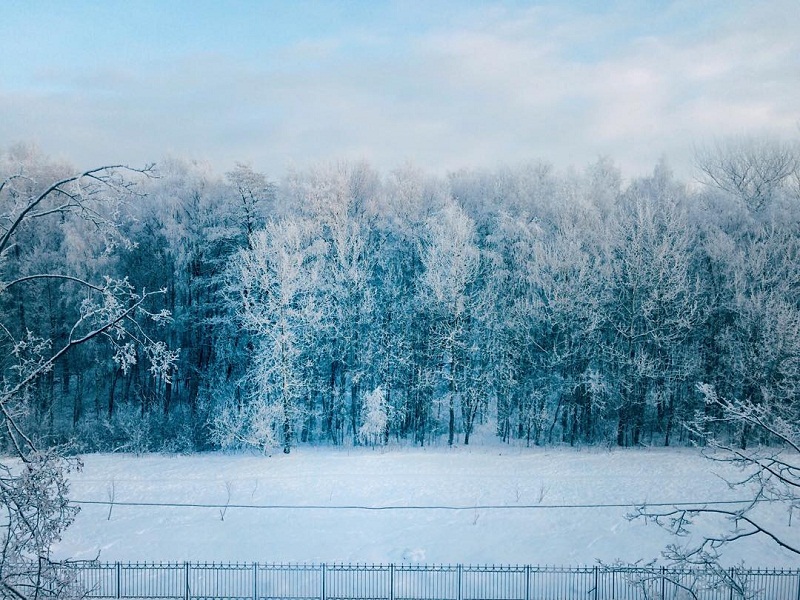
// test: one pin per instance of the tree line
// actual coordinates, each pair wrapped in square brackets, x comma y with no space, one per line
[341,305]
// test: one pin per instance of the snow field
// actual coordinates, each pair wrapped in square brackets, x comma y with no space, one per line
[398,477]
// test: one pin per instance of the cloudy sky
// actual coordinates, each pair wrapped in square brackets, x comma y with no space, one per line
[444,84]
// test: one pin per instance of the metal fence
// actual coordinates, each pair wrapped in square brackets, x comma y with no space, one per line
[254,581]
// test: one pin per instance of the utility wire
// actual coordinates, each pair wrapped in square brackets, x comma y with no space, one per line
[411,507]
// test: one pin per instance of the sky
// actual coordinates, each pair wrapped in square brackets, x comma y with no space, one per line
[442,84]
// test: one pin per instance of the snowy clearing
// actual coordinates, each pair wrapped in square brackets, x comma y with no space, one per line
[396,477]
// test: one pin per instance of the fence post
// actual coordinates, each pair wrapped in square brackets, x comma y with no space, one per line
[323,581]
[663,582]
[119,580]
[527,582]
[255,581]
[596,581]
[186,579]
[458,587]
[391,581]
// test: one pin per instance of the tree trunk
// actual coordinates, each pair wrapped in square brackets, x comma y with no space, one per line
[452,388]
[77,401]
[670,411]
[622,425]
[451,421]
[111,391]
[354,410]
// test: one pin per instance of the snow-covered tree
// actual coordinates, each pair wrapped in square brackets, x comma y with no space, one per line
[451,261]
[274,283]
[406,373]
[254,197]
[374,417]
[652,307]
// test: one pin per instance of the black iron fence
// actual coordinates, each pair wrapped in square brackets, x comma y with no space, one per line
[254,581]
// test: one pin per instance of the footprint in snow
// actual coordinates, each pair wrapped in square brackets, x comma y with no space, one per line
[414,555]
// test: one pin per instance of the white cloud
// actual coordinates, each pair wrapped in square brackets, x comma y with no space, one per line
[500,85]
[657,91]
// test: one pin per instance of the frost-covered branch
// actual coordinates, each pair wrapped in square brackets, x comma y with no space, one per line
[107,177]
[679,522]
[33,485]
[769,476]
[43,276]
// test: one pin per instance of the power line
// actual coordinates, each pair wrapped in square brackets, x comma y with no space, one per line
[409,507]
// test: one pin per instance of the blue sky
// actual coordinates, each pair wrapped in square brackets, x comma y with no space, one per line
[443,84]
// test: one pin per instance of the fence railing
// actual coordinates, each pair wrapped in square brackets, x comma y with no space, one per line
[254,581]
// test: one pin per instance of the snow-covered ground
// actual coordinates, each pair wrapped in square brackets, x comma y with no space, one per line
[397,477]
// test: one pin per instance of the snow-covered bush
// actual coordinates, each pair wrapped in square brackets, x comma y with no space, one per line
[374,417]
[252,426]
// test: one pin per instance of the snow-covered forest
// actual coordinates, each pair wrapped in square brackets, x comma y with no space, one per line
[345,306]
